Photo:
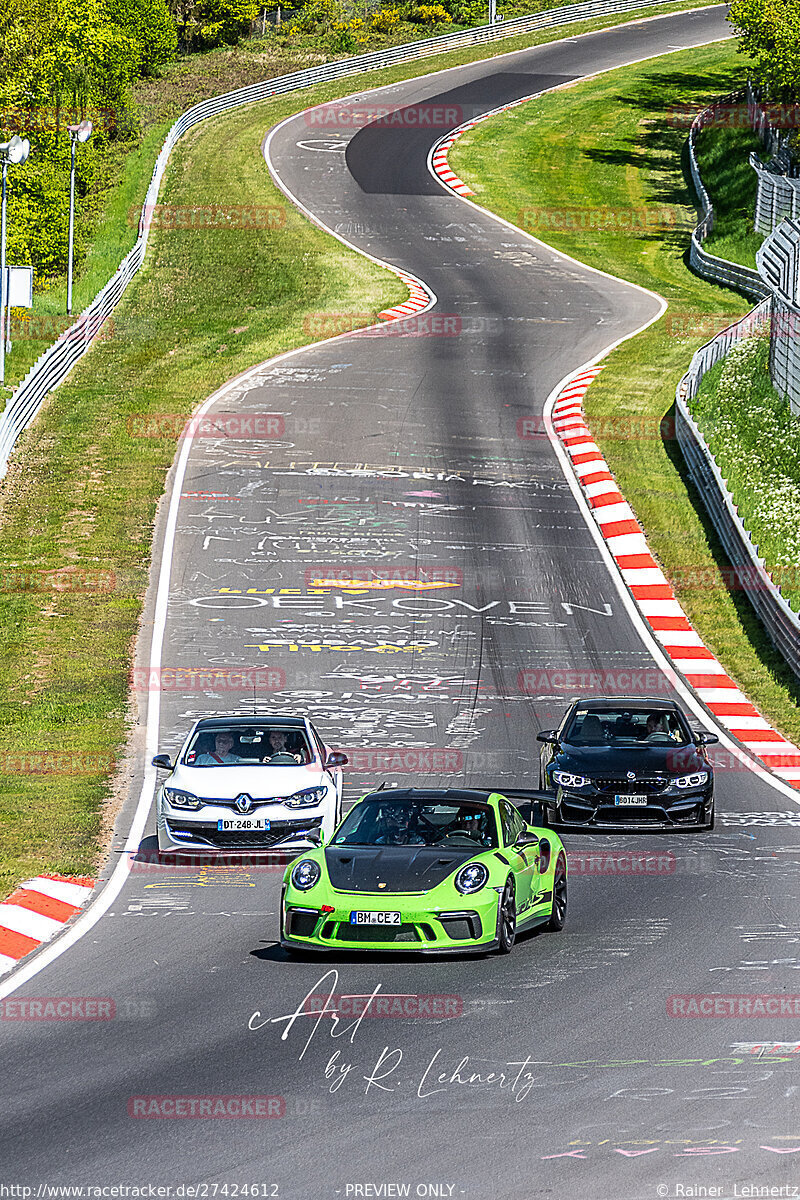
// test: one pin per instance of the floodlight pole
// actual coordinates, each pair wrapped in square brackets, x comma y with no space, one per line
[77,133]
[492,11]
[3,275]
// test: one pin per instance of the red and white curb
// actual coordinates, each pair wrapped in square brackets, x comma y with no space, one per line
[654,596]
[438,156]
[38,909]
[419,298]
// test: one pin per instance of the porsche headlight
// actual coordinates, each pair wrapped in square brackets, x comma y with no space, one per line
[181,799]
[307,798]
[305,874]
[691,781]
[471,878]
[565,779]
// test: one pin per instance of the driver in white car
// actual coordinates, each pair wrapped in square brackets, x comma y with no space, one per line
[278,745]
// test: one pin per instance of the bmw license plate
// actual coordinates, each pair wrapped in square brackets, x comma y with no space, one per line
[242,825]
[374,918]
[635,801]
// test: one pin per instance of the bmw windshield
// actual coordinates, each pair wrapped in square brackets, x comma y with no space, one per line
[629,727]
[382,821]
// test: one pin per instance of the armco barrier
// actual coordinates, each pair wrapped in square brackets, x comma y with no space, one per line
[58,360]
[718,270]
[780,621]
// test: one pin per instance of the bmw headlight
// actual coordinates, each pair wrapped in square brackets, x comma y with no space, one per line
[565,779]
[181,799]
[305,874]
[307,798]
[691,781]
[471,878]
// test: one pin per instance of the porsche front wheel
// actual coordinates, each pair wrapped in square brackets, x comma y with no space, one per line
[507,919]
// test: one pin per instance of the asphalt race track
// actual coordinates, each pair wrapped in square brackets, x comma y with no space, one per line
[401,453]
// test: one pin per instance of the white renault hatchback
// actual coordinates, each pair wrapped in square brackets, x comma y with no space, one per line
[251,784]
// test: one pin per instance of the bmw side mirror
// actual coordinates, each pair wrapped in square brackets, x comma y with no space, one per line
[706,739]
[336,759]
[548,735]
[163,762]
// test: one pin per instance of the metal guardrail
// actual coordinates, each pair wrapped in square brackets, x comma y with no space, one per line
[58,360]
[708,266]
[779,619]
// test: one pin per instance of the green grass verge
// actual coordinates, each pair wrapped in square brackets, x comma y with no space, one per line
[611,139]
[756,443]
[723,159]
[81,493]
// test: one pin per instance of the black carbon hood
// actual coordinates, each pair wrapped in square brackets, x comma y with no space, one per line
[397,868]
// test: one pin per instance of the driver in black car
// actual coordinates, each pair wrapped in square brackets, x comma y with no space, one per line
[394,823]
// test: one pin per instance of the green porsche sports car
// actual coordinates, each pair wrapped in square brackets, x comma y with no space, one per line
[430,871]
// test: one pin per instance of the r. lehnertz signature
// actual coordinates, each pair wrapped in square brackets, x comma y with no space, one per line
[514,1077]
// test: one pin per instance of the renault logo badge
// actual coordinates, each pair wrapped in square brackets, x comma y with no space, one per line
[243,803]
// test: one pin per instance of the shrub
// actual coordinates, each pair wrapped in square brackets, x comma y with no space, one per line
[385,20]
[429,14]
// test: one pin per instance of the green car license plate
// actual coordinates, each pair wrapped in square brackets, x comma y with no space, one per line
[374,918]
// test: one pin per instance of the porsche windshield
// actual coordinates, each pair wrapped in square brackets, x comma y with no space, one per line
[641,726]
[383,821]
[248,745]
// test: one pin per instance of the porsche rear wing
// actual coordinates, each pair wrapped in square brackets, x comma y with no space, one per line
[531,804]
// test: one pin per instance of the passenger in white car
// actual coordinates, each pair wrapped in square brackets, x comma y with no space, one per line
[221,754]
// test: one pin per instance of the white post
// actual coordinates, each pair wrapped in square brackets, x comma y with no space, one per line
[492,11]
[3,276]
[71,222]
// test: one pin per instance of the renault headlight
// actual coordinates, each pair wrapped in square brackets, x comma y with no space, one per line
[181,799]
[308,798]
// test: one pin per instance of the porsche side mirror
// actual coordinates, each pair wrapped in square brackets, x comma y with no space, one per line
[336,759]
[548,735]
[317,836]
[163,762]
[705,739]
[526,839]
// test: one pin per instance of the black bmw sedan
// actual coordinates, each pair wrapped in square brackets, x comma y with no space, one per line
[622,764]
